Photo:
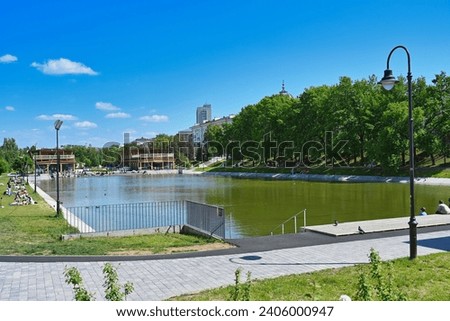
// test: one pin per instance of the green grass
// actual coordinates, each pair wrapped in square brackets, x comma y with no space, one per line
[34,230]
[423,279]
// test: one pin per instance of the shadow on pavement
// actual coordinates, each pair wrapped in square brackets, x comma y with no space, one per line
[440,243]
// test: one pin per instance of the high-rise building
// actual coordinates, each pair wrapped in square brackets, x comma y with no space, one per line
[203,113]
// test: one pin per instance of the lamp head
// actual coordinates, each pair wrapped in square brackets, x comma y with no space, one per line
[388,81]
[58,124]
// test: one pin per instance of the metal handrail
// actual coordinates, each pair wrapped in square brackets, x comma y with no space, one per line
[294,217]
[53,157]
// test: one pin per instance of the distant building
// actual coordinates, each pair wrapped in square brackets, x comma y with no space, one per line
[142,140]
[145,153]
[47,160]
[203,113]
[199,130]
[149,156]
[185,136]
[184,144]
[283,91]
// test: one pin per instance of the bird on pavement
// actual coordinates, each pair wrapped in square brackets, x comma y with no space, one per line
[360,230]
[336,223]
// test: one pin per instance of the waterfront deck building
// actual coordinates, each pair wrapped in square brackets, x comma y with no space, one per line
[142,157]
[47,160]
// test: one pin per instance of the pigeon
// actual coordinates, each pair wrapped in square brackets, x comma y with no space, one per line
[336,223]
[360,230]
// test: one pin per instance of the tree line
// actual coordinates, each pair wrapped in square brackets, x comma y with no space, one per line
[352,123]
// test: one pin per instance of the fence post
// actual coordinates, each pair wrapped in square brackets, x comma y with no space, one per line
[304,219]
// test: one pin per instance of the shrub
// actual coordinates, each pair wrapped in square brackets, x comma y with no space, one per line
[113,290]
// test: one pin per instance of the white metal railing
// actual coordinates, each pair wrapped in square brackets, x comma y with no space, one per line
[54,157]
[132,216]
[154,156]
[293,218]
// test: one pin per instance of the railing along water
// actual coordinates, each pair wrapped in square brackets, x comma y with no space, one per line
[293,218]
[134,216]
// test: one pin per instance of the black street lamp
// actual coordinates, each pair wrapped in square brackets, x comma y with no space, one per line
[58,125]
[388,82]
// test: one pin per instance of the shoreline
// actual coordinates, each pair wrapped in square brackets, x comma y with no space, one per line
[333,178]
[294,177]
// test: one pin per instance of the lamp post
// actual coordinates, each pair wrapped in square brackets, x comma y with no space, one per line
[35,163]
[58,125]
[388,82]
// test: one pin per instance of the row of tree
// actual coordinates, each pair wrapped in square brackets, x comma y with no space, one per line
[12,158]
[350,123]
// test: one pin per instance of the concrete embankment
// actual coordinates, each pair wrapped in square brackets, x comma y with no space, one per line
[332,178]
[300,177]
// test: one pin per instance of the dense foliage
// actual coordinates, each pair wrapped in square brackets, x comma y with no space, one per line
[352,123]
[355,123]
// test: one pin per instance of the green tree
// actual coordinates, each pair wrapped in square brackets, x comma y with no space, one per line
[4,166]
[9,150]
[215,140]
[436,139]
[391,142]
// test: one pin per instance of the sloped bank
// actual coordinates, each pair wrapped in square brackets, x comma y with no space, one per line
[332,178]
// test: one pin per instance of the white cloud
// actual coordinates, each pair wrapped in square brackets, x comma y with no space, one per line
[85,124]
[106,106]
[10,108]
[155,118]
[63,66]
[6,59]
[118,115]
[56,116]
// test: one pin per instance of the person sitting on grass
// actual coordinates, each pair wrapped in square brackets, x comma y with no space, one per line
[423,211]
[442,208]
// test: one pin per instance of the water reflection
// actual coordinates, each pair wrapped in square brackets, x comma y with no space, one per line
[253,207]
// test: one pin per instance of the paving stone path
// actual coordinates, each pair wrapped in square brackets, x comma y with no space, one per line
[159,279]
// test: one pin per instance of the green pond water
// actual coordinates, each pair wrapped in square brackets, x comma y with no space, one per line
[254,207]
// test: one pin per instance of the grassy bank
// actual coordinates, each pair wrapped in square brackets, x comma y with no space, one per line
[423,279]
[34,230]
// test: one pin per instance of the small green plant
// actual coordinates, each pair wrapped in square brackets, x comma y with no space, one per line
[73,277]
[379,285]
[113,290]
[240,291]
[364,290]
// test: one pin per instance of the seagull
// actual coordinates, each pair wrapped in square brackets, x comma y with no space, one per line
[360,230]
[336,223]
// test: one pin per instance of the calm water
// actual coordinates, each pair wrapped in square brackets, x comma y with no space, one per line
[254,207]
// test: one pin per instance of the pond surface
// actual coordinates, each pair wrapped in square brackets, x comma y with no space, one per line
[254,207]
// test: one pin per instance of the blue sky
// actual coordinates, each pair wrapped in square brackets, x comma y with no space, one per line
[142,67]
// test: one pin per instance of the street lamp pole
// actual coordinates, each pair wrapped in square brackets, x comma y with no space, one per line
[58,125]
[35,163]
[388,82]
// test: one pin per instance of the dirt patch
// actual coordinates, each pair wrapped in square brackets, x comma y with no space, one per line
[180,249]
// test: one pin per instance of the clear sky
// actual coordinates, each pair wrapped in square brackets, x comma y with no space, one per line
[142,67]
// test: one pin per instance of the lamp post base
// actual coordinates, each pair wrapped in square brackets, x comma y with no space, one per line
[412,238]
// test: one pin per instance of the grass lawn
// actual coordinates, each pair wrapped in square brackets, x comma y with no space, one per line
[426,278]
[34,230]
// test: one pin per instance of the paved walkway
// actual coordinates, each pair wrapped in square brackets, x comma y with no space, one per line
[160,278]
